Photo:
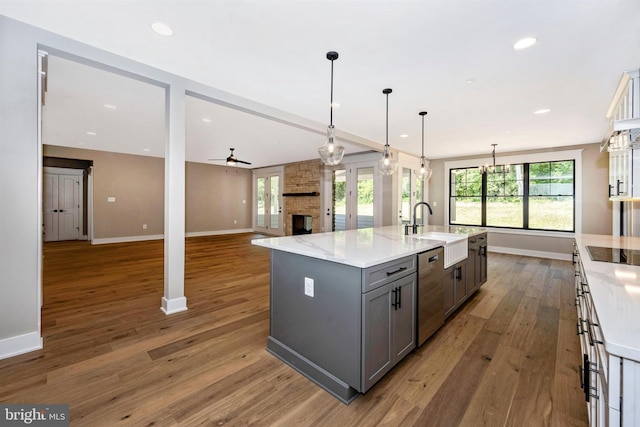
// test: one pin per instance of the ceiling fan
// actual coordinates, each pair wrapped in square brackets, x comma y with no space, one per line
[232,160]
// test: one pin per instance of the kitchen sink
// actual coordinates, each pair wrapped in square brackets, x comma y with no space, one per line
[456,246]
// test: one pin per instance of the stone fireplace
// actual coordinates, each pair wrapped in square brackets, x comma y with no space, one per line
[302,194]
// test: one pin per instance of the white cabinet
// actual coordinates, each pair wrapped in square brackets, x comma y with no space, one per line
[623,141]
[624,165]
[611,384]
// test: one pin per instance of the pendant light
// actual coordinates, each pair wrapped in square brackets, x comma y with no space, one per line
[425,172]
[330,153]
[387,165]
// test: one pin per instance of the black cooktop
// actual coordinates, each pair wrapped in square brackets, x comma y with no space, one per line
[617,255]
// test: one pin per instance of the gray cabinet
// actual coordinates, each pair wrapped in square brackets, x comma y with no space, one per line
[341,326]
[477,261]
[455,286]
[389,327]
[461,280]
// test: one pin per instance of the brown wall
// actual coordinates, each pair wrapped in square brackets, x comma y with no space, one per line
[214,194]
[302,177]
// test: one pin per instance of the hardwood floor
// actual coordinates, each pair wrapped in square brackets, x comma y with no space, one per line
[509,356]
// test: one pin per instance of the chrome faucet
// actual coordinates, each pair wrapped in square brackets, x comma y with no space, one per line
[415,214]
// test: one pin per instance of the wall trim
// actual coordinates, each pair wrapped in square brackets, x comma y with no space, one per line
[527,252]
[20,344]
[174,305]
[218,232]
[126,239]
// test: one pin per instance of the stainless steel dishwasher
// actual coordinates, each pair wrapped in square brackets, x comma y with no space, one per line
[430,293]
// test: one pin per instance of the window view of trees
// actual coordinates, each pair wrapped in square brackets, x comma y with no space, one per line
[529,196]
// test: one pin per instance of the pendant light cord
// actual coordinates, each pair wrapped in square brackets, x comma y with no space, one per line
[387,124]
[422,136]
[331,105]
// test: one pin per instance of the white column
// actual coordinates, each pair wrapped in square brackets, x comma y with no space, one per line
[174,300]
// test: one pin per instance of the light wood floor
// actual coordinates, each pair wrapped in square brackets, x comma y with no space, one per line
[508,357]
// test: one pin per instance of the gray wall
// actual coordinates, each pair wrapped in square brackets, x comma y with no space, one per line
[596,207]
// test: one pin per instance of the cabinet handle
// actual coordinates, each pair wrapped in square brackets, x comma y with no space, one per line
[618,187]
[394,304]
[459,273]
[399,294]
[391,273]
[579,328]
[610,190]
[586,382]
[592,340]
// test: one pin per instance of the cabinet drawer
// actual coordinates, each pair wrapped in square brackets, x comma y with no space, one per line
[381,274]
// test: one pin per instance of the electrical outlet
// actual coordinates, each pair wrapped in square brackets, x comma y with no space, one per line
[144,226]
[308,287]
[111,199]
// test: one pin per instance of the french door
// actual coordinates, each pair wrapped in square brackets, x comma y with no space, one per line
[354,196]
[267,204]
[411,192]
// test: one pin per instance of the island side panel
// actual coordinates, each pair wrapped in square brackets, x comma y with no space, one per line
[324,328]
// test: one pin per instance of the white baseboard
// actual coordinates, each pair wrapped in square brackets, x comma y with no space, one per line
[20,344]
[218,232]
[531,253]
[126,239]
[175,305]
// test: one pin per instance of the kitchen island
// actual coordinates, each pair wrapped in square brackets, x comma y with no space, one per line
[607,282]
[343,304]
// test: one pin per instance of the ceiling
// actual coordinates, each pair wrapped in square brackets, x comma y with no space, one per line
[452,58]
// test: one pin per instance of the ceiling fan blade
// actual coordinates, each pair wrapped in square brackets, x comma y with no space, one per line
[242,161]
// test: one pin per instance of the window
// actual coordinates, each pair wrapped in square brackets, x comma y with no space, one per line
[530,196]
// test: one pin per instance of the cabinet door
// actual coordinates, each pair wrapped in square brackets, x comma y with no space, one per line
[460,279]
[473,268]
[376,341]
[449,290]
[482,264]
[403,338]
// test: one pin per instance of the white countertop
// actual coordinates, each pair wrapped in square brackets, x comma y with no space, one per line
[364,247]
[615,290]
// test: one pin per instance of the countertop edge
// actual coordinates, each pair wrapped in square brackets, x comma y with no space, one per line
[602,282]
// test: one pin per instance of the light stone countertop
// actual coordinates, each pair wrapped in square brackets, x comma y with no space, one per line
[615,290]
[364,247]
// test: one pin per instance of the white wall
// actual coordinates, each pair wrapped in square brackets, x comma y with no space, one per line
[20,229]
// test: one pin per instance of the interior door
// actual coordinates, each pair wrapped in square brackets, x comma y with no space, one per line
[268,203]
[61,207]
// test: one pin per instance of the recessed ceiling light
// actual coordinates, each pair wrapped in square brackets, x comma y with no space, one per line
[206,120]
[470,80]
[542,111]
[525,43]
[404,135]
[91,133]
[162,29]
[109,106]
[146,149]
